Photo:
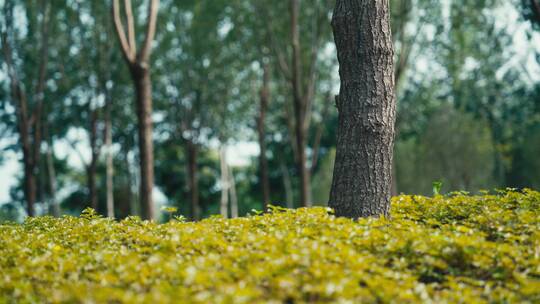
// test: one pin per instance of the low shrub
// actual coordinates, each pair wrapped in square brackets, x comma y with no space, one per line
[455,248]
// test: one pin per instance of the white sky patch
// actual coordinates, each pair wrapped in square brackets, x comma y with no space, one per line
[75,147]
[240,154]
[9,168]
[509,18]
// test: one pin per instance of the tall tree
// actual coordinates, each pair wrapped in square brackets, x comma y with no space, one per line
[298,61]
[139,67]
[300,103]
[29,112]
[366,105]
[261,131]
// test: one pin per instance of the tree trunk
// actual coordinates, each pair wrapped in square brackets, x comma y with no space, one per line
[299,106]
[263,162]
[305,196]
[109,160]
[29,188]
[234,197]
[319,132]
[192,153]
[366,104]
[24,135]
[130,206]
[54,208]
[91,184]
[139,64]
[287,184]
[92,167]
[143,87]
[224,202]
[31,143]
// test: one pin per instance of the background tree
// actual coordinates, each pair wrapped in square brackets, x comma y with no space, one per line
[466,84]
[27,87]
[139,66]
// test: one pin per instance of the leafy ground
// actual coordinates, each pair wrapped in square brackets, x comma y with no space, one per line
[456,248]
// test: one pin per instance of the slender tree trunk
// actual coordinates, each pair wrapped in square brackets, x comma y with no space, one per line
[39,96]
[54,208]
[91,184]
[130,207]
[263,162]
[109,161]
[28,120]
[143,87]
[366,104]
[29,188]
[305,196]
[193,184]
[24,135]
[299,107]
[92,167]
[234,197]
[224,202]
[40,179]
[139,64]
[319,132]
[287,184]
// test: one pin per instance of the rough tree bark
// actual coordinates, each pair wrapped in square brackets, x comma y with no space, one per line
[366,104]
[139,66]
[261,130]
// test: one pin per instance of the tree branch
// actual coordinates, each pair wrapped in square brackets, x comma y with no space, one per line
[19,97]
[40,87]
[144,55]
[278,52]
[130,27]
[120,33]
[319,132]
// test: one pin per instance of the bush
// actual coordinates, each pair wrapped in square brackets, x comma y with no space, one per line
[456,248]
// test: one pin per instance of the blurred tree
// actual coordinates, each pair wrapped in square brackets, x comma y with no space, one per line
[198,74]
[322,179]
[297,42]
[27,87]
[139,66]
